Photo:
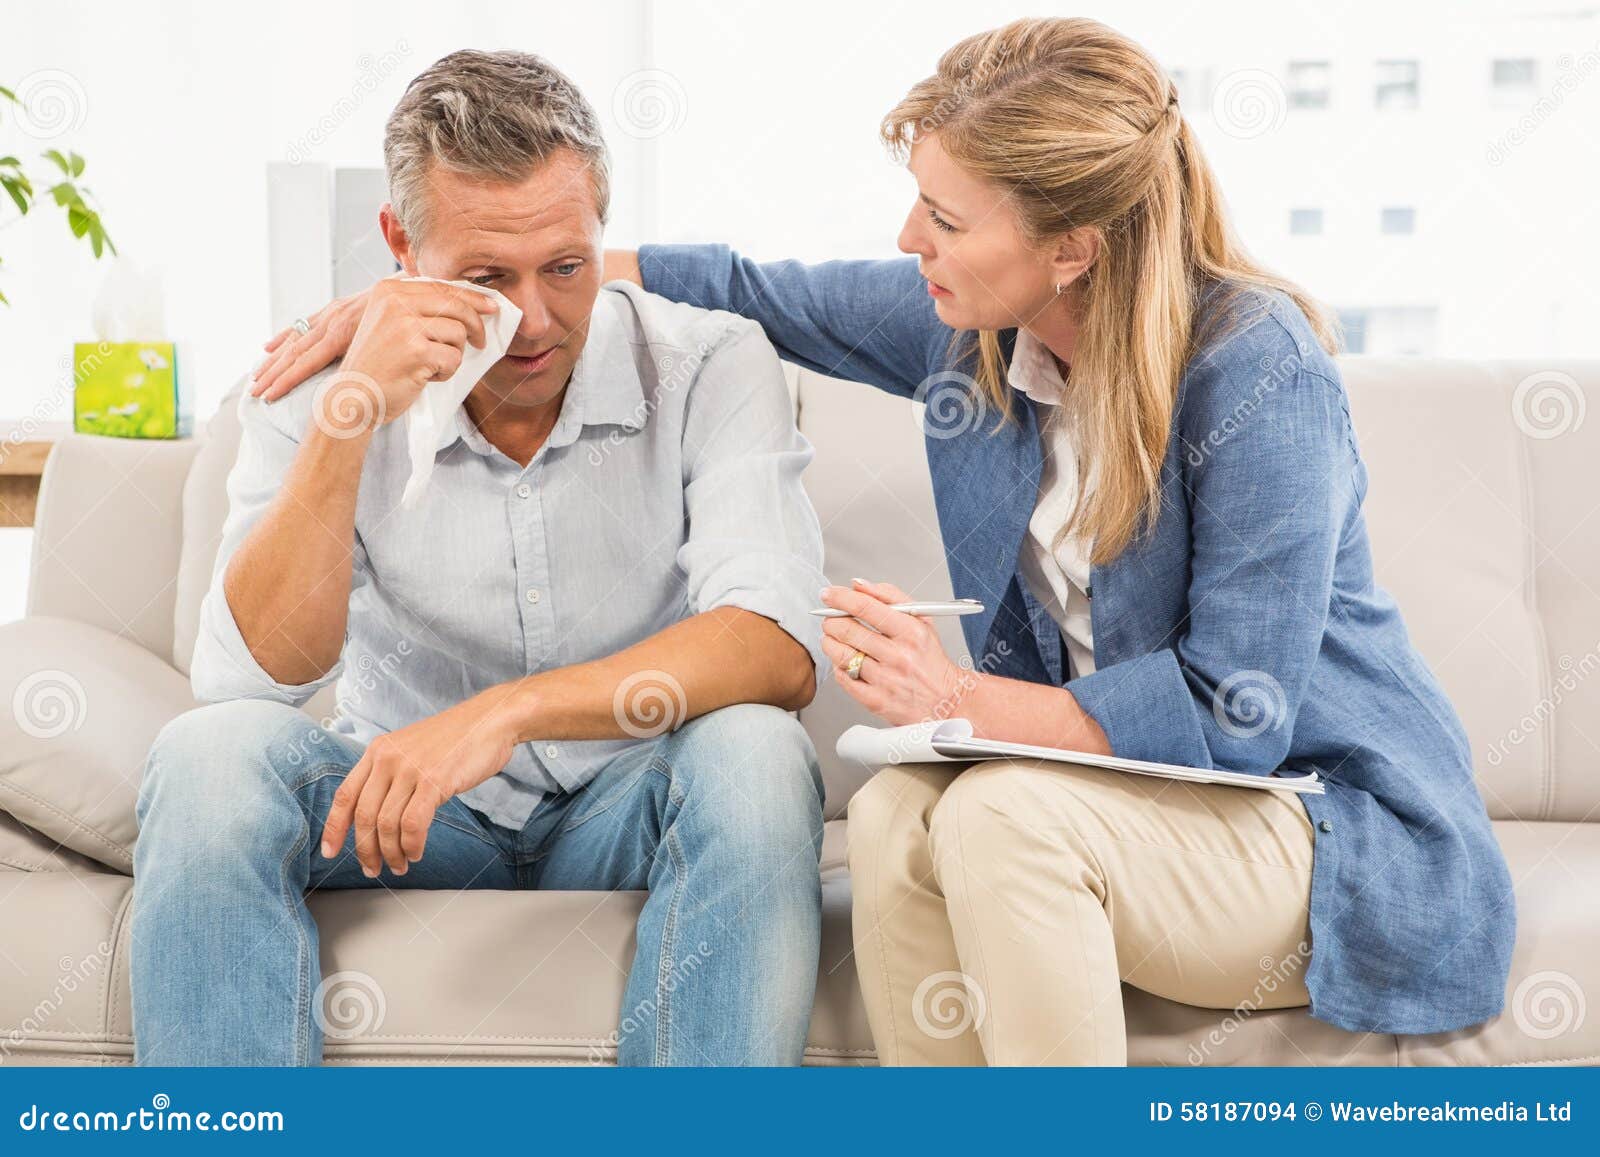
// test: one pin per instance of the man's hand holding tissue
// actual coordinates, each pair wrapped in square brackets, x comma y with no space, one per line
[411,332]
[288,584]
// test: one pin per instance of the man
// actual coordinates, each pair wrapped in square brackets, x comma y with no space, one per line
[580,646]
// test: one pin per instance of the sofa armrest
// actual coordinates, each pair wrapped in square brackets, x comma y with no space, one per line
[108,534]
[86,705]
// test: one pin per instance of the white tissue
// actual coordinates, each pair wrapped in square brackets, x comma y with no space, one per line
[129,305]
[436,408]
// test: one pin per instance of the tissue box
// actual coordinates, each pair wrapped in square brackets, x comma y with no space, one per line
[128,389]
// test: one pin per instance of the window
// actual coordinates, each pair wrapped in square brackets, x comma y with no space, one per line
[1305,222]
[1398,219]
[1309,83]
[1398,84]
[1514,81]
[1194,87]
[1391,330]
[1353,327]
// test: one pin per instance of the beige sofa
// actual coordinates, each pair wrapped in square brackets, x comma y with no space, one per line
[1482,508]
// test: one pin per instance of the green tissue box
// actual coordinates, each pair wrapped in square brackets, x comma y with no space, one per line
[128,389]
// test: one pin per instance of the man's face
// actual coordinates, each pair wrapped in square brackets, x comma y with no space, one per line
[537,241]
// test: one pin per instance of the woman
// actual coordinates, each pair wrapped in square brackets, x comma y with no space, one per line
[1144,466]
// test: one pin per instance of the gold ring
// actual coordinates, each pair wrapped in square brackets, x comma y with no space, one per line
[853,667]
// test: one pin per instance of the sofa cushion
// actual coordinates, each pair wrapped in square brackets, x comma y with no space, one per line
[85,706]
[205,508]
[874,498]
[108,536]
[22,849]
[412,978]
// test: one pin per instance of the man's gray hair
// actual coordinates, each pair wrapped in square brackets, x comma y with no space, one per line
[487,114]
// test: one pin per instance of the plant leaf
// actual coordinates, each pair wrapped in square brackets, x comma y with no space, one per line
[17,194]
[74,160]
[8,94]
[54,155]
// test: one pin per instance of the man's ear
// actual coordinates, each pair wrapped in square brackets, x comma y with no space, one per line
[1074,252]
[395,236]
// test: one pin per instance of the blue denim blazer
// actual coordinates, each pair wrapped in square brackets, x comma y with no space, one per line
[1245,631]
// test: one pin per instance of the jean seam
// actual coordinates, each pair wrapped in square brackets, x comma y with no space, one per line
[296,910]
[669,931]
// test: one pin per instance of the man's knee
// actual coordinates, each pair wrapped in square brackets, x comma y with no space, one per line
[751,769]
[220,764]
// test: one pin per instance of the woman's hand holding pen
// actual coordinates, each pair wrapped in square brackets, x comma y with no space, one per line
[905,675]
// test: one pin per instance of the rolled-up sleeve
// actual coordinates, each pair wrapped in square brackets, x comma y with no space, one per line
[222,667]
[753,541]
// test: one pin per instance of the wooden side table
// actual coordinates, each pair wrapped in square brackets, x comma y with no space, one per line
[21,465]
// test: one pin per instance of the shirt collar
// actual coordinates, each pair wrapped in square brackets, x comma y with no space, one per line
[1033,370]
[604,389]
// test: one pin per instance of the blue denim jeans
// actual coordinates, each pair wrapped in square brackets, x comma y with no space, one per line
[720,821]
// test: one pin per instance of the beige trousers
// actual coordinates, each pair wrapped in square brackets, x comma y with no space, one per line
[999,907]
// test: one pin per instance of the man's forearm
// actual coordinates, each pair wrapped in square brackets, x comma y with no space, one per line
[711,660]
[288,583]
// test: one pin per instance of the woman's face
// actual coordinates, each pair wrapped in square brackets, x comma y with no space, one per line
[980,271]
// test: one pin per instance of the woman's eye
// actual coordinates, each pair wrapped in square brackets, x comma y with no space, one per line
[939,222]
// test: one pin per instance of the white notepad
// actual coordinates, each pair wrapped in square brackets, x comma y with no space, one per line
[952,741]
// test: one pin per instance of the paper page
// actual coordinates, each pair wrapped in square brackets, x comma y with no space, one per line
[912,743]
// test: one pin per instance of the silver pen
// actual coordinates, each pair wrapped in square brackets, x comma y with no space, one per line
[929,610]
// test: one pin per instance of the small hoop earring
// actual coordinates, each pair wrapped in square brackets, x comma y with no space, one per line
[1060,289]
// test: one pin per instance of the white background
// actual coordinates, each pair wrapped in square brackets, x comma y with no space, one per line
[755,124]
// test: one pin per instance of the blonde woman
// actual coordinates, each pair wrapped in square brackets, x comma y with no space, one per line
[1144,466]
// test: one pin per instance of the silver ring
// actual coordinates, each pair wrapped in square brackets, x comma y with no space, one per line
[301,326]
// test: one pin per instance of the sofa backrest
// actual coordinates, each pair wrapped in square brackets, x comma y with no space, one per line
[1485,524]
[1481,508]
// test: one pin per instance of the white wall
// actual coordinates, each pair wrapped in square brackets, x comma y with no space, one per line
[755,124]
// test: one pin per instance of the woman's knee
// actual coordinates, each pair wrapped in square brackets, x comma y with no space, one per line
[993,814]
[891,809]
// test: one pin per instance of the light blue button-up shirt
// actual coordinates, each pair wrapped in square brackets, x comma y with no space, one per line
[669,486]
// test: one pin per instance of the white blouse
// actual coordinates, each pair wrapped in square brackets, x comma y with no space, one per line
[1058,579]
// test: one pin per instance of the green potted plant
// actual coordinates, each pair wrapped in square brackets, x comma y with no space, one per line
[82,217]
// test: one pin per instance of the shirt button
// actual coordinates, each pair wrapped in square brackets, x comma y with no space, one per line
[524,490]
[533,596]
[551,751]
[1326,825]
